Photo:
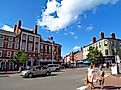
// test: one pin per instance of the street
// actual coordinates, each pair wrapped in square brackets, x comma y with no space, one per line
[63,80]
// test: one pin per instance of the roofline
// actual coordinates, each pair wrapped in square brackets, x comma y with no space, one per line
[100,40]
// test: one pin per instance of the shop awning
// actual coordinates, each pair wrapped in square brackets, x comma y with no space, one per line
[86,61]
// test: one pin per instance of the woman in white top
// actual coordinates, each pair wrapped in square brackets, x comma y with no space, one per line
[91,76]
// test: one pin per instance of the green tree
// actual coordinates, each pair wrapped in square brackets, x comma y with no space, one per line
[118,51]
[93,54]
[21,57]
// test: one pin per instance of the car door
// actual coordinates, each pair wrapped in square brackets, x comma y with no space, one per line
[37,71]
[43,70]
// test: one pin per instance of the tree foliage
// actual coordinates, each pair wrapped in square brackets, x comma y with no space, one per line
[93,54]
[21,57]
[118,50]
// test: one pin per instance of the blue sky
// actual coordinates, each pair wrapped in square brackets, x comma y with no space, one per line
[71,23]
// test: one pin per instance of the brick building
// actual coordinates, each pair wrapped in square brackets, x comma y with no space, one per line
[74,57]
[28,40]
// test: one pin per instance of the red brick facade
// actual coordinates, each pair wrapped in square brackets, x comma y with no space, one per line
[29,41]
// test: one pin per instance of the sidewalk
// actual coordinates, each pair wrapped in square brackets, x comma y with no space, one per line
[112,82]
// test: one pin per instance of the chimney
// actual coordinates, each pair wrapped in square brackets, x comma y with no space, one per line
[101,35]
[113,35]
[35,29]
[19,24]
[93,39]
[15,28]
[18,27]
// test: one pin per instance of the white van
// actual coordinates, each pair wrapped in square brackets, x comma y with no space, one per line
[54,67]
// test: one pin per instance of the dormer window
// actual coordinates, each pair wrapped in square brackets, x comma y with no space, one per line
[10,38]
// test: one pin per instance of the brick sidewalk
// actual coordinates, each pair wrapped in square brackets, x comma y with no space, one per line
[111,83]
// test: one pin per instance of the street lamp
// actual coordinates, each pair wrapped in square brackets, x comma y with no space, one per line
[51,39]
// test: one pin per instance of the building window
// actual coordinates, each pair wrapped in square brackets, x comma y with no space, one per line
[10,44]
[1,43]
[1,37]
[14,53]
[106,43]
[23,47]
[10,38]
[36,46]
[8,54]
[31,38]
[99,44]
[45,48]
[113,53]
[16,39]
[0,53]
[30,46]
[24,37]
[106,52]
[41,48]
[37,39]
[50,49]
[16,45]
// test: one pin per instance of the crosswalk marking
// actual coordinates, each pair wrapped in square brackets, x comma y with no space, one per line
[82,88]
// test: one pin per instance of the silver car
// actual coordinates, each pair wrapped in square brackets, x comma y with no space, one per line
[35,71]
[54,67]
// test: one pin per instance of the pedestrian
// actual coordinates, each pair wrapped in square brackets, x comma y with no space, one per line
[90,76]
[101,77]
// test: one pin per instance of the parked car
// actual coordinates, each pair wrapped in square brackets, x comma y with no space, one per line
[54,67]
[35,71]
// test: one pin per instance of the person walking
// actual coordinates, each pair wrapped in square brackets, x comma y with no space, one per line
[101,77]
[90,76]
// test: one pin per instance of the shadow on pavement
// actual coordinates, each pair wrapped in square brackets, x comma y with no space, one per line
[53,74]
[111,87]
[4,76]
[39,76]
[1,73]
[107,88]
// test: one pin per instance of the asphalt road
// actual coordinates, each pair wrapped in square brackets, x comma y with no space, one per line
[64,80]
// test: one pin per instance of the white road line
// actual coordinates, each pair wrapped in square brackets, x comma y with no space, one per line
[82,88]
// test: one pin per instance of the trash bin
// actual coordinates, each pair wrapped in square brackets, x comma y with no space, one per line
[114,69]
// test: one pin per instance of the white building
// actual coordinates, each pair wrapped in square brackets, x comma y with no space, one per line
[107,46]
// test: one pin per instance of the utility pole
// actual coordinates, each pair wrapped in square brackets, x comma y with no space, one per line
[52,51]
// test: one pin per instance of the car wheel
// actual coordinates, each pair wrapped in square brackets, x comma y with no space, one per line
[30,75]
[57,70]
[48,73]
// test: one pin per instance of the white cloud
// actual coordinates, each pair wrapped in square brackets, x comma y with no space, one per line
[65,33]
[7,28]
[89,28]
[75,37]
[67,12]
[76,47]
[72,33]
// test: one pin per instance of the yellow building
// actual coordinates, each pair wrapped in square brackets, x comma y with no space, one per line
[107,46]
